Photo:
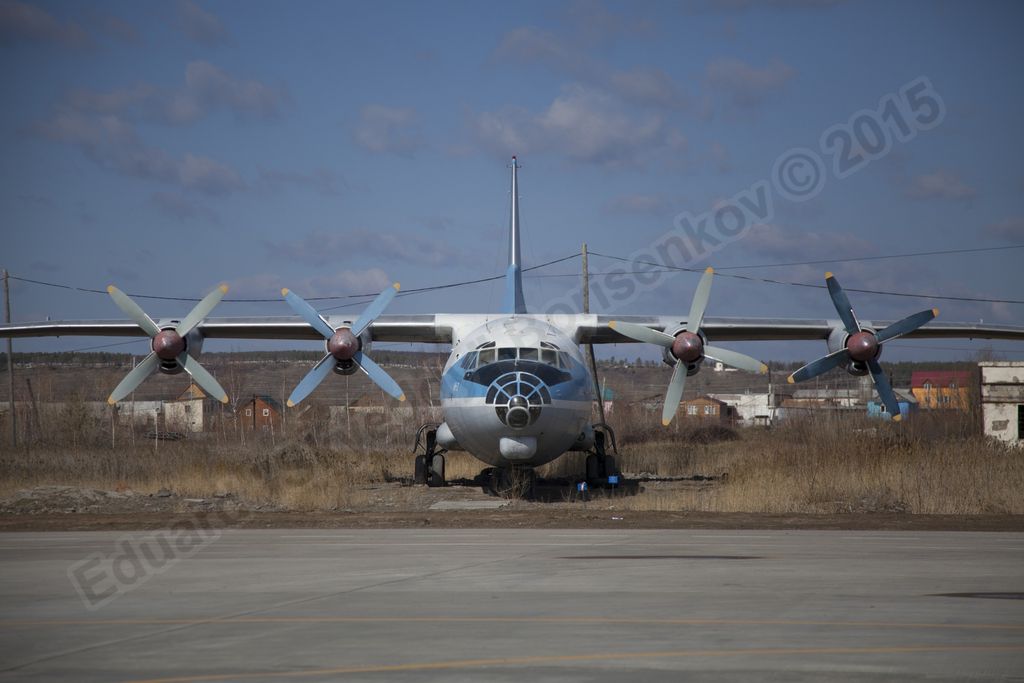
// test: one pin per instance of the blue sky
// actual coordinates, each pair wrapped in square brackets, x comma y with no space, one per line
[334,147]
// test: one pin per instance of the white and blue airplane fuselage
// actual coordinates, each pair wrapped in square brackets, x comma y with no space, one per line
[516,392]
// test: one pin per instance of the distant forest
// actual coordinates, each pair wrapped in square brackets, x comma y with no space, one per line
[898,371]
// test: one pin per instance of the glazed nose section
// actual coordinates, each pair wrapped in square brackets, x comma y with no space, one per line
[168,344]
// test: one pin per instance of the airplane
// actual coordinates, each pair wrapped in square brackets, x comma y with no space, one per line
[515,390]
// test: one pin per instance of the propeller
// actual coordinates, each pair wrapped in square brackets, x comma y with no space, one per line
[343,345]
[688,347]
[168,345]
[862,346]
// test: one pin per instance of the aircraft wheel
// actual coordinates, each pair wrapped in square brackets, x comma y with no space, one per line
[594,470]
[435,477]
[420,473]
[513,482]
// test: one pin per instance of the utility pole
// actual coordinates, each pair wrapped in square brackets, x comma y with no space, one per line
[590,347]
[10,360]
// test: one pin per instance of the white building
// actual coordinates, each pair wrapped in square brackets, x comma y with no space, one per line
[752,410]
[1002,400]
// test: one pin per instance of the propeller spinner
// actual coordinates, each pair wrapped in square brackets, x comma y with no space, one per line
[688,347]
[343,345]
[168,345]
[862,346]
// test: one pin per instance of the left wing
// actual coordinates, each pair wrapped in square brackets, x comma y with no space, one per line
[386,328]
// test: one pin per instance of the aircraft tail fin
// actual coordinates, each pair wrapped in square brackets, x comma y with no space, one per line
[514,301]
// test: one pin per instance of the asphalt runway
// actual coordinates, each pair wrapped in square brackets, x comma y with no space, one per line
[511,605]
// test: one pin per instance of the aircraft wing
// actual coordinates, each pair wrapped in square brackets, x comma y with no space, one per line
[444,328]
[386,328]
[595,329]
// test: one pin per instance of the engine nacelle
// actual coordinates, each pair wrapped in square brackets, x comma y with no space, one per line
[193,347]
[837,340]
[348,366]
[670,360]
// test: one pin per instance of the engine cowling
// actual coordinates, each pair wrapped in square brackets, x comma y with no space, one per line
[862,347]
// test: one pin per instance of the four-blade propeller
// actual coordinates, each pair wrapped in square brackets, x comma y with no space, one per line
[688,347]
[343,345]
[168,345]
[862,346]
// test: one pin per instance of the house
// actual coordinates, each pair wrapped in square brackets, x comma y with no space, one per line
[754,409]
[941,389]
[259,413]
[905,399]
[185,413]
[1002,400]
[707,409]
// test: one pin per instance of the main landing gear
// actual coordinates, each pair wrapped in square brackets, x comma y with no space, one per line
[429,467]
[601,470]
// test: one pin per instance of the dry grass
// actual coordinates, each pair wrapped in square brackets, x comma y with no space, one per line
[933,464]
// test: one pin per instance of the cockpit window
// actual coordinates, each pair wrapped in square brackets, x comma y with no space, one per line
[485,356]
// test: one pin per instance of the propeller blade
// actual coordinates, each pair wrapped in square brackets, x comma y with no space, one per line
[842,304]
[203,378]
[885,390]
[642,334]
[736,360]
[674,394]
[134,378]
[202,309]
[378,375]
[375,309]
[908,324]
[307,313]
[700,301]
[312,380]
[817,367]
[132,310]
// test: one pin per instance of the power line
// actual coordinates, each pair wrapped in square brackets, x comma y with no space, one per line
[771,281]
[404,292]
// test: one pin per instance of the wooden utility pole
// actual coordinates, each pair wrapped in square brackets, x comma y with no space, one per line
[10,360]
[590,347]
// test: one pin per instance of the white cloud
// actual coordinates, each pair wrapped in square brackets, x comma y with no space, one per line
[114,144]
[383,129]
[200,26]
[652,204]
[1010,230]
[20,21]
[939,185]
[207,88]
[641,86]
[586,125]
[745,85]
[320,248]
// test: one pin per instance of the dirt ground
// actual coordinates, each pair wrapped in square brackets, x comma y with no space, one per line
[461,504]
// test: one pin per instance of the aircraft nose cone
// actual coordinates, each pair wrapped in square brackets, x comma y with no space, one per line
[862,346]
[168,345]
[688,347]
[343,345]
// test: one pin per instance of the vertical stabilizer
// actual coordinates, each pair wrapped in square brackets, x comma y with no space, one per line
[514,301]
